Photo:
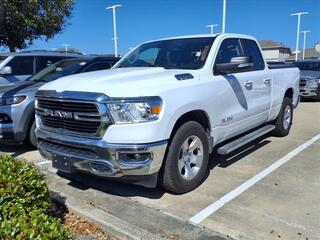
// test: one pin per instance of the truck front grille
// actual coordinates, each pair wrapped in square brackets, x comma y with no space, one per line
[73,117]
[60,148]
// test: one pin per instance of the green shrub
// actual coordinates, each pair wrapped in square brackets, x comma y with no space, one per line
[25,203]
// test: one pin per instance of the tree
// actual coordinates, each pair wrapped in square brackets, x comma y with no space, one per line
[23,21]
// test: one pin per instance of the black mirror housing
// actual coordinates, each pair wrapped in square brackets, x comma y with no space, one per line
[237,64]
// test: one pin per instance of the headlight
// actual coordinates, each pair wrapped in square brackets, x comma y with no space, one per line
[313,83]
[12,100]
[135,112]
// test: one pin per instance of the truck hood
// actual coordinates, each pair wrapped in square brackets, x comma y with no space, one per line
[309,75]
[123,82]
[21,88]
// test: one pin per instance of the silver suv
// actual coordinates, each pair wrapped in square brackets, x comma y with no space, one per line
[309,78]
[17,100]
[15,67]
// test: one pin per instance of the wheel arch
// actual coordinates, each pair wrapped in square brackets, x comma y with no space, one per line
[200,116]
[289,93]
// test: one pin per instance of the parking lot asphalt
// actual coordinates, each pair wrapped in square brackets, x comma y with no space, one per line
[285,204]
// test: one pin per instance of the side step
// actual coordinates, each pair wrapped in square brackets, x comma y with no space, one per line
[225,149]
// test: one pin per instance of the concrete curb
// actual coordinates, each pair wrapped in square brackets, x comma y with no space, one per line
[108,222]
[122,217]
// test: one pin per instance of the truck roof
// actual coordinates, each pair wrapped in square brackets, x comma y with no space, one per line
[205,36]
[40,53]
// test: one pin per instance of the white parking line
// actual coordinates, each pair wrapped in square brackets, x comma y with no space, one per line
[42,163]
[203,214]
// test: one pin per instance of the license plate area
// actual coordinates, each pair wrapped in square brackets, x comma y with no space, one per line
[62,163]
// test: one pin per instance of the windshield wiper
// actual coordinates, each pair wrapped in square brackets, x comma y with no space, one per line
[39,80]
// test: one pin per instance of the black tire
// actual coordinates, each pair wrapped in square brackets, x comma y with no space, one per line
[170,177]
[32,135]
[282,129]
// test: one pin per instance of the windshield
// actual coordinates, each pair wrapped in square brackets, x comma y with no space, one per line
[309,66]
[188,53]
[58,70]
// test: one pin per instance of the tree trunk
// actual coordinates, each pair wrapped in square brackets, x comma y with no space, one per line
[12,48]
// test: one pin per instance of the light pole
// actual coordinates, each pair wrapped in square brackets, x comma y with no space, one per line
[298,30]
[211,26]
[66,46]
[115,38]
[224,13]
[304,42]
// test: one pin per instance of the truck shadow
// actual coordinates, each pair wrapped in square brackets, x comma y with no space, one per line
[14,150]
[224,161]
[84,181]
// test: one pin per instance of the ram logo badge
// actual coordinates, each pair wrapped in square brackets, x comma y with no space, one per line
[57,113]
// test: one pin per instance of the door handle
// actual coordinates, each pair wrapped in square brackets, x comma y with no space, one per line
[267,81]
[248,84]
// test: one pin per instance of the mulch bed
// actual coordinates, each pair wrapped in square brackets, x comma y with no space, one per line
[80,227]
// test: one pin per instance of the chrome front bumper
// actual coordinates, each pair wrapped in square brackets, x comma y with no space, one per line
[100,158]
[308,92]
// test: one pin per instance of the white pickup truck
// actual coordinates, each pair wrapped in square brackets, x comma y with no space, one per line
[156,116]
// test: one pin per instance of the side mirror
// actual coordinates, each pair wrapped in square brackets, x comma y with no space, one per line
[237,64]
[6,70]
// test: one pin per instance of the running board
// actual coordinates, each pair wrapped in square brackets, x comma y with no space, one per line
[245,139]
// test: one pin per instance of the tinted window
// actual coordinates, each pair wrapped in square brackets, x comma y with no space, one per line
[2,58]
[21,65]
[188,53]
[229,48]
[149,55]
[112,64]
[251,49]
[43,61]
[98,66]
[308,66]
[58,70]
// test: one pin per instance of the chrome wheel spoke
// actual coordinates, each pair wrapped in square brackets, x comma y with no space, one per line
[180,165]
[287,117]
[190,157]
[185,147]
[187,172]
[196,160]
[195,144]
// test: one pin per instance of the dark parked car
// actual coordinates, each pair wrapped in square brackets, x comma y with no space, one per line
[309,78]
[17,121]
[15,67]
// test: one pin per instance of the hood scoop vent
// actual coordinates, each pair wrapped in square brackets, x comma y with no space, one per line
[184,76]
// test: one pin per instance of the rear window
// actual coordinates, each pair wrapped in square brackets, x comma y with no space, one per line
[251,49]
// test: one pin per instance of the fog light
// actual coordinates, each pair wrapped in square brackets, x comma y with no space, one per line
[5,118]
[134,157]
[100,168]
